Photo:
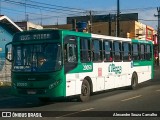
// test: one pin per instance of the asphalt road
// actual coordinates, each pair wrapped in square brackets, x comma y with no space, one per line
[101,106]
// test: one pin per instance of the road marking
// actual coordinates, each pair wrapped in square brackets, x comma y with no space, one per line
[88,109]
[158,90]
[131,98]
[75,112]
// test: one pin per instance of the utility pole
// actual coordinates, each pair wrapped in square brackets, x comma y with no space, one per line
[158,36]
[74,24]
[109,26]
[27,17]
[90,26]
[118,18]
[41,16]
[0,7]
[25,11]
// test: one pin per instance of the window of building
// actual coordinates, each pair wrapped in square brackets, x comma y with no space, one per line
[135,54]
[126,51]
[107,45]
[85,50]
[97,50]
[117,51]
[148,52]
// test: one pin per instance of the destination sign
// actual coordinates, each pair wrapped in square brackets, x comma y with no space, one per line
[35,37]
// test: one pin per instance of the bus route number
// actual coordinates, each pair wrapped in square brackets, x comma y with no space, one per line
[87,67]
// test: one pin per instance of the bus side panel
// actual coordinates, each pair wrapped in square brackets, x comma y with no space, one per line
[73,84]
[143,70]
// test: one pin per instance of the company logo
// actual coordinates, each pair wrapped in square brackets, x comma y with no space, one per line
[21,114]
[6,114]
[115,69]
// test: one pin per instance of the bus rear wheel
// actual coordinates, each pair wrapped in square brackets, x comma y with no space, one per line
[85,91]
[134,81]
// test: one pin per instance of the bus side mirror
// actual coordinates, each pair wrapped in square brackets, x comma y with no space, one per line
[8,52]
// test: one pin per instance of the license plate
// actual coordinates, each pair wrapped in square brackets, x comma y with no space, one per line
[31,92]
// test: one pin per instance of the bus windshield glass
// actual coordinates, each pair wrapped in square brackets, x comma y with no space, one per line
[37,57]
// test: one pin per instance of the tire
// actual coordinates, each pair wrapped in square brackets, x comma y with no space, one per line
[85,91]
[134,81]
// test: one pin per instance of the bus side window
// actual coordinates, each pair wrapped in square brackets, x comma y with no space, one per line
[135,51]
[126,51]
[107,45]
[148,52]
[65,53]
[85,50]
[142,50]
[71,53]
[97,50]
[117,51]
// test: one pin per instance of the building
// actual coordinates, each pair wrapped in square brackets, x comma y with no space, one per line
[128,29]
[103,18]
[28,25]
[7,29]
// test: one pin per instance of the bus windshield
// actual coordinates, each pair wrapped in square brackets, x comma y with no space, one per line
[37,57]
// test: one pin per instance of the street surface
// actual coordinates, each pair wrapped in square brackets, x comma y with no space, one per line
[145,98]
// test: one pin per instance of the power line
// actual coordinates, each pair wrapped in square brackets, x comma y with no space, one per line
[61,10]
[41,6]
[57,6]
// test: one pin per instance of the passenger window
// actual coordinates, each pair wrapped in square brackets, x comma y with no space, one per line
[117,51]
[107,45]
[148,52]
[135,53]
[85,50]
[97,50]
[126,51]
[142,55]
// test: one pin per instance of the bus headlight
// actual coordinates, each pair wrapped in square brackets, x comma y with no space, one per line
[14,86]
[55,84]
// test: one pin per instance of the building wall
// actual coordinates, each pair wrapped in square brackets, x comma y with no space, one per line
[5,37]
[126,28]
[149,33]
[5,66]
[64,26]
[28,25]
[140,30]
[31,26]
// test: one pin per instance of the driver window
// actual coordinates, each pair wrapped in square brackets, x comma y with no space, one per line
[71,53]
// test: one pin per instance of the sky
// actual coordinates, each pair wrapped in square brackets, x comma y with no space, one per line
[55,11]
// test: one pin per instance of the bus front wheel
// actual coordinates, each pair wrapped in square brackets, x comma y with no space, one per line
[85,91]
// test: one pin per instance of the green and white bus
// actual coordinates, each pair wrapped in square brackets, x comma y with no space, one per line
[61,63]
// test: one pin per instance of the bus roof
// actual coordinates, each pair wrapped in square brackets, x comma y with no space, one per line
[82,34]
[110,37]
